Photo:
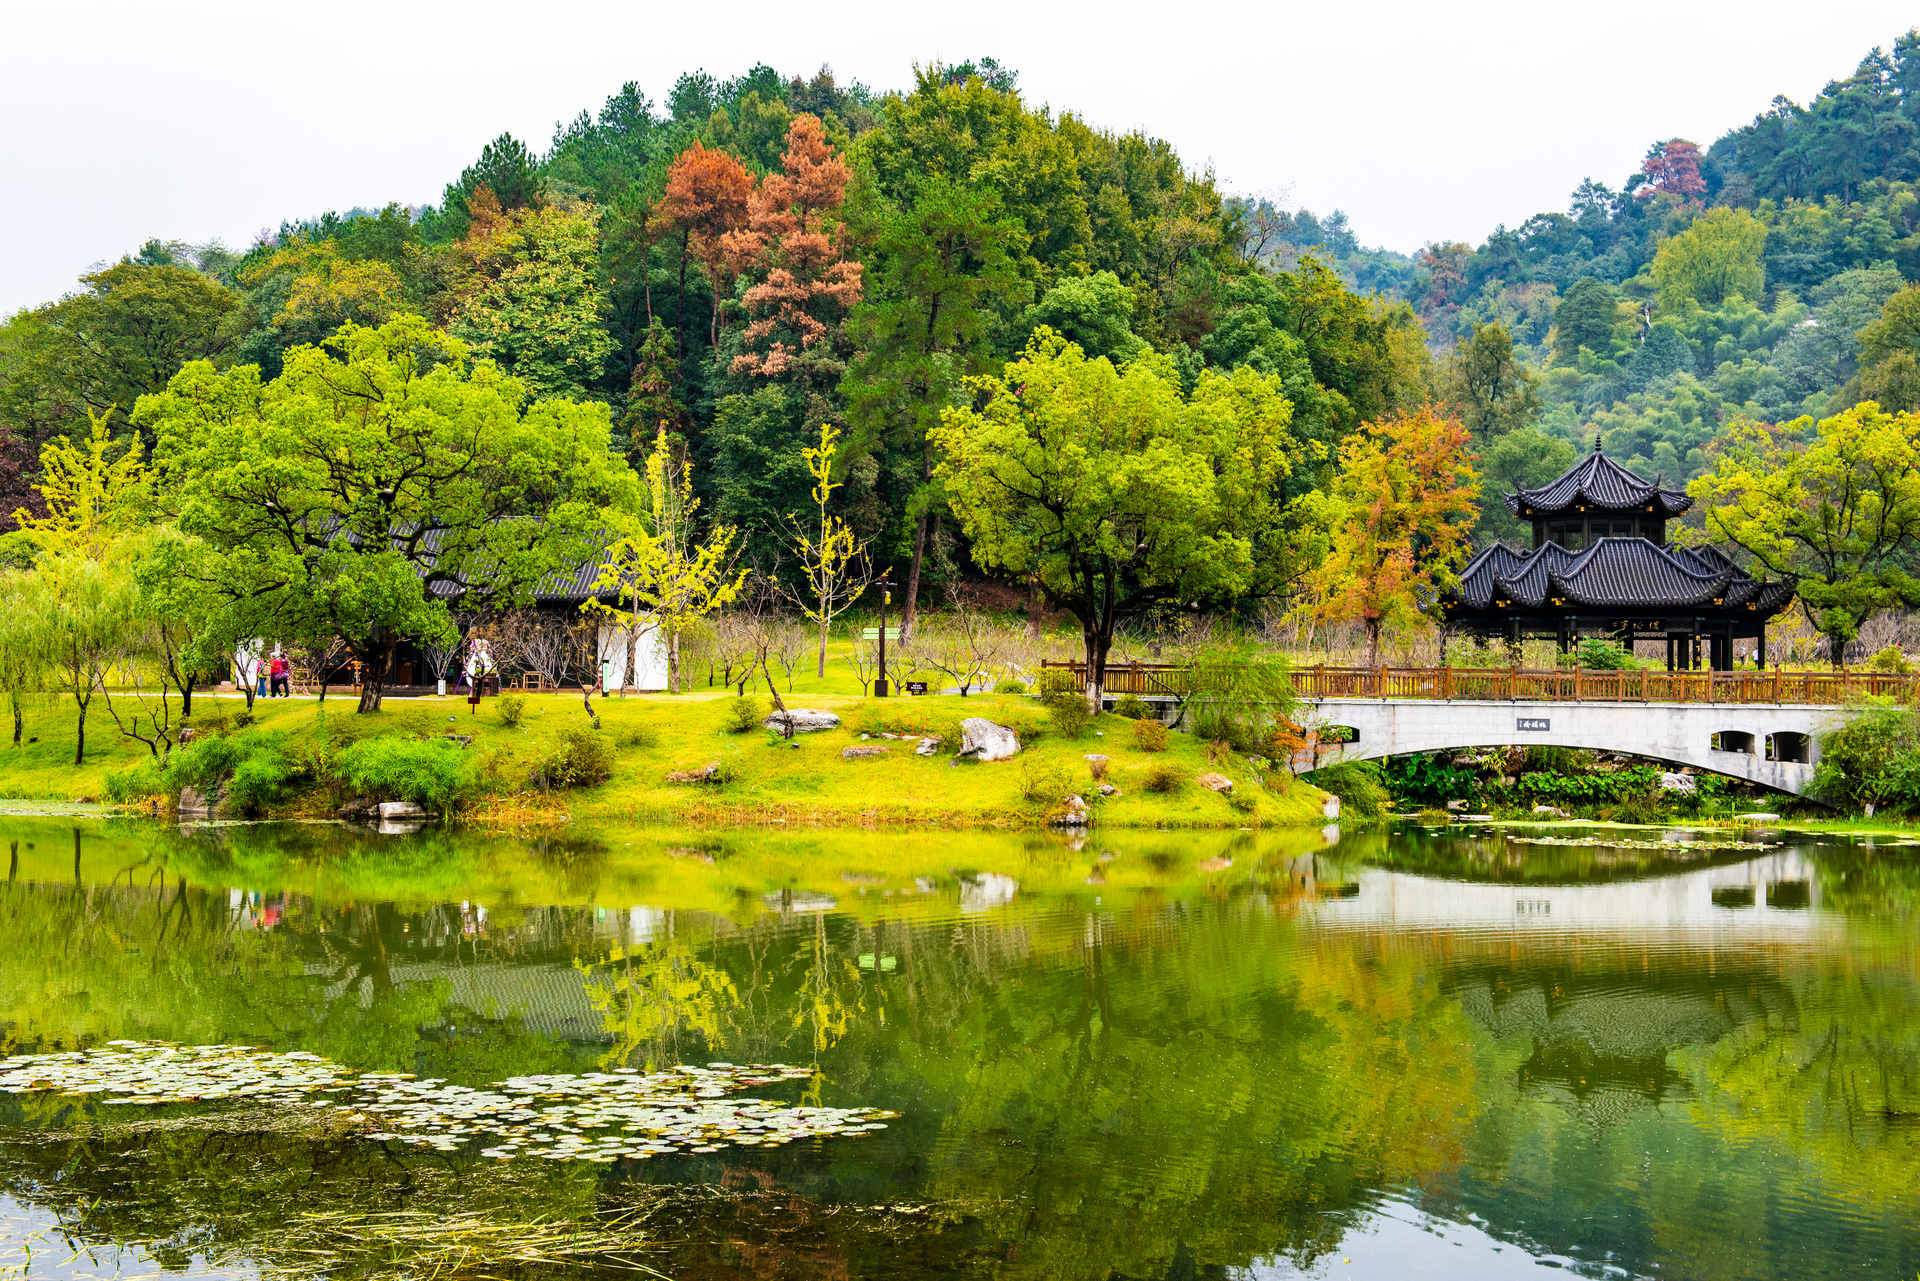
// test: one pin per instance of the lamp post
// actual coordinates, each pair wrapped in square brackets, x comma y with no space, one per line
[886,598]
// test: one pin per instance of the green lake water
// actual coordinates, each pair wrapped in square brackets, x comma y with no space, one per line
[1141,1055]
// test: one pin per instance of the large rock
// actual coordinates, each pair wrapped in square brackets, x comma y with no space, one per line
[195,805]
[1551,811]
[1677,783]
[708,775]
[801,720]
[982,740]
[1330,808]
[402,811]
[856,753]
[1215,782]
[1073,812]
[928,747]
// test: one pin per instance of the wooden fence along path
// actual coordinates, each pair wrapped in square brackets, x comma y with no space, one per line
[1565,685]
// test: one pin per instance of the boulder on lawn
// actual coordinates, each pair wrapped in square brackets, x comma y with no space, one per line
[856,753]
[928,747]
[1109,790]
[707,775]
[801,720]
[1215,782]
[982,740]
[1073,812]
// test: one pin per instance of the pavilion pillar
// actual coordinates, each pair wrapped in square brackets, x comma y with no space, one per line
[1760,650]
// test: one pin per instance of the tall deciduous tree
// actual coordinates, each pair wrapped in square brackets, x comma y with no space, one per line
[1841,513]
[1719,256]
[1405,508]
[1116,492]
[1490,389]
[834,566]
[94,493]
[946,260]
[662,574]
[375,482]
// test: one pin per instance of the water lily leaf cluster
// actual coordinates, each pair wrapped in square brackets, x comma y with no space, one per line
[594,1116]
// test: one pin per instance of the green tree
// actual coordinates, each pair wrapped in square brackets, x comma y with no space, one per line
[1518,460]
[942,263]
[1492,391]
[529,295]
[125,334]
[375,482]
[1719,256]
[80,614]
[1111,489]
[1093,312]
[1840,514]
[1585,317]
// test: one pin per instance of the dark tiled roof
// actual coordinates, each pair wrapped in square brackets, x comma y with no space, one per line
[1597,481]
[1613,574]
[1633,571]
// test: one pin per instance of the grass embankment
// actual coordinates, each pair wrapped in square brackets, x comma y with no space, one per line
[763,779]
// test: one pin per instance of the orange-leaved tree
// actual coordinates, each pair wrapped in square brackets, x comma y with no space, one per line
[795,245]
[706,197]
[1403,508]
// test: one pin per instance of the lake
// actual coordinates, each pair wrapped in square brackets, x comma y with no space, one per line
[1139,1055]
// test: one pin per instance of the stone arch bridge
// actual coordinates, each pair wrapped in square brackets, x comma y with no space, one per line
[1756,725]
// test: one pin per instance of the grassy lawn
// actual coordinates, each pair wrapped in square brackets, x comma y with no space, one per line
[766,780]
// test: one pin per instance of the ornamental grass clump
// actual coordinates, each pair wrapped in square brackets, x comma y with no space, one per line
[434,773]
[1163,777]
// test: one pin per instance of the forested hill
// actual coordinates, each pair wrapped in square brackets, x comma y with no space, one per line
[745,259]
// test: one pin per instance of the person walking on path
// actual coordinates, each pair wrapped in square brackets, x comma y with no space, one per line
[260,673]
[279,671]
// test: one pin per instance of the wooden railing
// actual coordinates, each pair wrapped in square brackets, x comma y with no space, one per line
[1564,685]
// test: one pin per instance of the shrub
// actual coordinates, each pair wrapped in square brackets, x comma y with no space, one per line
[1219,752]
[1069,713]
[1216,726]
[1150,736]
[1163,777]
[257,769]
[582,758]
[1431,817]
[1010,687]
[1133,708]
[1633,809]
[435,772]
[1042,781]
[1058,680]
[1244,801]
[138,783]
[1890,659]
[744,714]
[1356,783]
[512,709]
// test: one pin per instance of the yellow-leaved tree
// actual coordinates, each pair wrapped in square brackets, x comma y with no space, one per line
[1404,507]
[662,575]
[833,560]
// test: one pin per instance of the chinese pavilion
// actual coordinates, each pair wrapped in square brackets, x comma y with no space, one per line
[1600,565]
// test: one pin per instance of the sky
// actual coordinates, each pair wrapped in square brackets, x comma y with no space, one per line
[198,120]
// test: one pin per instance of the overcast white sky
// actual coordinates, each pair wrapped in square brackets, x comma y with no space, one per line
[1422,120]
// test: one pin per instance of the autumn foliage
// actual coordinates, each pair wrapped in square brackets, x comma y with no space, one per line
[793,241]
[706,199]
[1405,508]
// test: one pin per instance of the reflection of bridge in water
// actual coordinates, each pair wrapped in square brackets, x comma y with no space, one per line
[1775,896]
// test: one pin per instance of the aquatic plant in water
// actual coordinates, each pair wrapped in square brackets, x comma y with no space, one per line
[594,1116]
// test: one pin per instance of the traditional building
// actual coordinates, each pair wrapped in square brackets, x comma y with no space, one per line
[1600,565]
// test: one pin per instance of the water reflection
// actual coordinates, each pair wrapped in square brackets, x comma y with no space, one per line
[1139,1055]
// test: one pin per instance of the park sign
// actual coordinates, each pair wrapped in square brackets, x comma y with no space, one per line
[916,687]
[873,633]
[1532,725]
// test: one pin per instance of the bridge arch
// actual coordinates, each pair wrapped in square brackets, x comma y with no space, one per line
[1737,740]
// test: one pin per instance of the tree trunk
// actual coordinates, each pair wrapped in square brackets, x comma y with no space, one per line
[823,648]
[373,675]
[18,723]
[913,577]
[1373,642]
[80,732]
[1033,607]
[680,300]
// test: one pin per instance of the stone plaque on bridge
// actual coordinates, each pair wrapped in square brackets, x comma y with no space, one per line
[1533,724]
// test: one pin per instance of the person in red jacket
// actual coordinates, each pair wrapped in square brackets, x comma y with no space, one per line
[279,672]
